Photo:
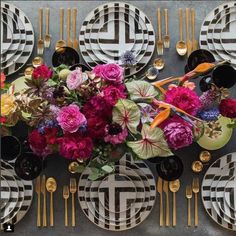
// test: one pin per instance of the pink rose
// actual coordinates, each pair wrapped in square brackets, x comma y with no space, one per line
[70,118]
[97,70]
[75,79]
[42,72]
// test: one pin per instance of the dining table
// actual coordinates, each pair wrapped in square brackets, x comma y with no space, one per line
[57,166]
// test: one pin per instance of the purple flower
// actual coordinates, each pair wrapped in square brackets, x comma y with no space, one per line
[148,113]
[75,79]
[128,58]
[209,114]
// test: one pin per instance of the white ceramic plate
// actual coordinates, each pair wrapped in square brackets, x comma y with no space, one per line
[230,194]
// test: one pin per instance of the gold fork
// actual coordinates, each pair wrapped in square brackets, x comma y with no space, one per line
[73,191]
[40,39]
[66,195]
[38,191]
[159,190]
[195,187]
[166,191]
[167,36]
[159,40]
[47,37]
[189,197]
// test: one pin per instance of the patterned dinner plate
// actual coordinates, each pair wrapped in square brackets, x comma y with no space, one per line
[5,192]
[230,194]
[110,200]
[6,37]
[213,170]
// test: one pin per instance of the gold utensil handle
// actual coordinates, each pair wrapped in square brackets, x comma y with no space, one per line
[39,211]
[66,213]
[44,210]
[187,24]
[68,24]
[167,210]
[181,24]
[189,212]
[161,210]
[196,210]
[61,23]
[159,23]
[51,210]
[47,20]
[74,22]
[40,23]
[166,20]
[174,209]
[193,24]
[73,209]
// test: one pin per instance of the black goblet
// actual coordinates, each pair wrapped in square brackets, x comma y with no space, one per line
[80,65]
[29,166]
[170,168]
[10,148]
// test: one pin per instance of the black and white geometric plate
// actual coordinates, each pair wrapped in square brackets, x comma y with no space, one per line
[5,193]
[6,37]
[214,170]
[22,54]
[21,209]
[117,14]
[230,193]
[127,198]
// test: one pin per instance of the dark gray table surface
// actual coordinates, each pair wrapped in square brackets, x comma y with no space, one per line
[57,166]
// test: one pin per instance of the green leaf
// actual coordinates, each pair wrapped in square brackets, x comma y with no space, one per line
[151,145]
[80,168]
[50,82]
[127,114]
[108,168]
[141,90]
[95,174]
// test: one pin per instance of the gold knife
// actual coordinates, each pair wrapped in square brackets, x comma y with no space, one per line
[159,190]
[38,191]
[189,43]
[166,191]
[43,191]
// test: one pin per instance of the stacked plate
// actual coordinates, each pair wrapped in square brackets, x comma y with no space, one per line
[218,32]
[17,38]
[16,195]
[219,191]
[120,200]
[114,28]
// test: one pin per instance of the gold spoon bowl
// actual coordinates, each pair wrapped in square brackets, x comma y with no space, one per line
[181,48]
[159,63]
[37,61]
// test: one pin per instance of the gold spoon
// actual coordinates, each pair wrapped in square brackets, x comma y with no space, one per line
[61,42]
[73,167]
[28,72]
[181,46]
[37,61]
[159,63]
[174,187]
[51,186]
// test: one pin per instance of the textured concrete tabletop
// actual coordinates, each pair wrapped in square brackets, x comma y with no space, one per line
[57,166]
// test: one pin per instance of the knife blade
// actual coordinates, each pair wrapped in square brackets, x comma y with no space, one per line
[166,191]
[159,190]
[43,191]
[37,190]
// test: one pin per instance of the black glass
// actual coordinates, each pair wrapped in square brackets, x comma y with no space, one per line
[28,166]
[205,83]
[65,55]
[199,56]
[10,148]
[224,76]
[170,168]
[80,65]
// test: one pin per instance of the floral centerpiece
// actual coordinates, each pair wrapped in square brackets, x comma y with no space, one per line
[96,115]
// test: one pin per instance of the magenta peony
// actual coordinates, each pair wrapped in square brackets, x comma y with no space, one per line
[96,127]
[74,146]
[97,70]
[42,72]
[183,98]
[74,79]
[228,107]
[178,133]
[70,118]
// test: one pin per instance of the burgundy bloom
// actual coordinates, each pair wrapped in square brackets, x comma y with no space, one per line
[228,107]
[50,135]
[42,72]
[96,127]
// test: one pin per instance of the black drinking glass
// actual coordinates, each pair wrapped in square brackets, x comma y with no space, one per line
[170,168]
[80,65]
[224,76]
[205,83]
[10,148]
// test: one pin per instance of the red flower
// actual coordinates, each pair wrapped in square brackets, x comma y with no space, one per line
[50,135]
[37,141]
[3,120]
[2,80]
[42,72]
[96,127]
[228,107]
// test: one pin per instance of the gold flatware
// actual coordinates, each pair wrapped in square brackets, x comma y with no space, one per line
[195,188]
[51,186]
[61,42]
[28,72]
[189,43]
[159,63]
[47,37]
[166,191]
[37,61]
[189,197]
[159,190]
[66,195]
[73,189]
[174,188]
[38,191]
[43,191]
[181,46]
[75,41]
[194,41]
[40,45]
[166,36]
[197,166]
[73,166]
[205,156]
[68,28]
[159,40]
